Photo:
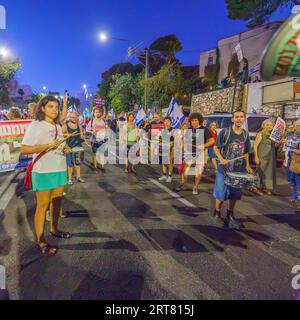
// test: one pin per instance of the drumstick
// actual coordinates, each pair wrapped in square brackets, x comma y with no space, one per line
[238,158]
[76,133]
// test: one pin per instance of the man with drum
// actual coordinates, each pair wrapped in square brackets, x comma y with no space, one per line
[232,149]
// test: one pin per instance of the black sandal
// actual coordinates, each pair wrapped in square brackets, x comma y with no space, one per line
[61,235]
[47,250]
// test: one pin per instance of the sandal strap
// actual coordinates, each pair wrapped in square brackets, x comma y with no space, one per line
[46,249]
[61,235]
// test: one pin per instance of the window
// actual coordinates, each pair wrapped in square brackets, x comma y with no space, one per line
[210,61]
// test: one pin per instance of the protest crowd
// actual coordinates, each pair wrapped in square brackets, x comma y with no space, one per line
[187,145]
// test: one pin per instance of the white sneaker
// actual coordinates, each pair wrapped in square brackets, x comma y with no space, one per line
[169,180]
[163,178]
[195,190]
[48,218]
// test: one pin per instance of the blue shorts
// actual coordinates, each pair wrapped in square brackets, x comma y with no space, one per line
[223,192]
[74,159]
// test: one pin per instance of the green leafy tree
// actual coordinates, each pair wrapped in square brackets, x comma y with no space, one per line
[7,72]
[107,78]
[256,12]
[165,84]
[167,46]
[124,91]
[36,97]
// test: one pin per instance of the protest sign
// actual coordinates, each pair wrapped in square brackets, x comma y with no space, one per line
[278,131]
[11,136]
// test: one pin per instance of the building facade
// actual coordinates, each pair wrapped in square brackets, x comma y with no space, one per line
[252,43]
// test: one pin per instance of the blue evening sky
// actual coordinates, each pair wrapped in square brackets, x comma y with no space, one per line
[56,40]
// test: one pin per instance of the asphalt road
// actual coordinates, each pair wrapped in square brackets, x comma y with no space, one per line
[133,239]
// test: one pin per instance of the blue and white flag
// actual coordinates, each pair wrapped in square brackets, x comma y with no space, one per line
[175,112]
[111,112]
[140,116]
[150,115]
[254,69]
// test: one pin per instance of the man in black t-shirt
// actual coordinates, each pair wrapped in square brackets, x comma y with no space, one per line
[196,158]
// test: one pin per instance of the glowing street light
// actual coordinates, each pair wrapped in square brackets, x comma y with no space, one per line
[103,37]
[4,52]
[84,86]
[45,88]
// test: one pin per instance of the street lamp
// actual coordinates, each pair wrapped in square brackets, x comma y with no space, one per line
[103,37]
[4,52]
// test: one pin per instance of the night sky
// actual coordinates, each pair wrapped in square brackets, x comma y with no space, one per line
[56,40]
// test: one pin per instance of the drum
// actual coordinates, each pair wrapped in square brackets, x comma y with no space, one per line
[240,180]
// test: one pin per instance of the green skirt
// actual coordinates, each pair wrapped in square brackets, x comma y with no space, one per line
[48,181]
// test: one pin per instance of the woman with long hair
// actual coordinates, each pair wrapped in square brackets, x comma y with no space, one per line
[49,174]
[131,134]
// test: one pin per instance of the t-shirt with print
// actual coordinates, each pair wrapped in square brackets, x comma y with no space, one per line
[237,146]
[42,132]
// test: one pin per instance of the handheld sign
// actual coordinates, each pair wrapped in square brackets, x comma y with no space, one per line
[278,131]
[281,58]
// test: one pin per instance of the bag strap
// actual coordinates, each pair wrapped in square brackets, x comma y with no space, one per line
[45,151]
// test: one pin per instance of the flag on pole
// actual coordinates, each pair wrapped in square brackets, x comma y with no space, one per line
[254,69]
[141,116]
[175,112]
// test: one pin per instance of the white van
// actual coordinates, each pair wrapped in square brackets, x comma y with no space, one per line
[252,124]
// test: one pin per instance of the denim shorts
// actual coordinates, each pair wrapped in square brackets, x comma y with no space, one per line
[223,192]
[74,159]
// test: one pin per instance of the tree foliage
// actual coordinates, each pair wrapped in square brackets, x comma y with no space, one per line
[167,46]
[255,12]
[7,72]
[165,84]
[124,91]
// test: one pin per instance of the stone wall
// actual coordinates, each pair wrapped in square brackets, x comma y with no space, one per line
[220,100]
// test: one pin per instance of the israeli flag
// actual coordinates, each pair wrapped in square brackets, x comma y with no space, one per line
[254,69]
[140,116]
[175,112]
[150,115]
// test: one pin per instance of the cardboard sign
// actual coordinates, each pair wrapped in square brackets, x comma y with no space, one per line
[278,131]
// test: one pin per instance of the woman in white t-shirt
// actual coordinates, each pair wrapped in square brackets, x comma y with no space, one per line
[49,174]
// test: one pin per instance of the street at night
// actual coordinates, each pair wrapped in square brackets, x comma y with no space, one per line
[150,153]
[134,240]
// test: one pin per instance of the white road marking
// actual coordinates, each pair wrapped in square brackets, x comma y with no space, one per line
[173,194]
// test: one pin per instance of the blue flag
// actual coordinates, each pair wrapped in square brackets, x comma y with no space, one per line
[175,112]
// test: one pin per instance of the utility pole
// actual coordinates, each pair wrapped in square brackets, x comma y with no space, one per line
[146,75]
